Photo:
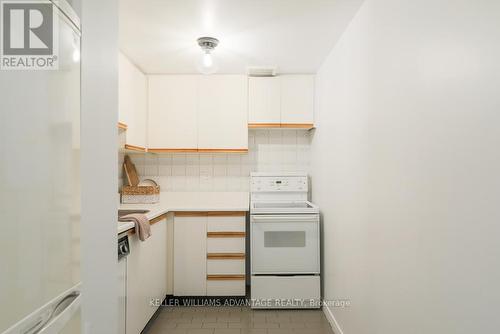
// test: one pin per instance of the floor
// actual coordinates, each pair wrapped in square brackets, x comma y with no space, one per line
[237,320]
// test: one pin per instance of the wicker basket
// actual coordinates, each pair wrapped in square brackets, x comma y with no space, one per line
[145,194]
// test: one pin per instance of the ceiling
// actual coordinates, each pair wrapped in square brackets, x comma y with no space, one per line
[160,36]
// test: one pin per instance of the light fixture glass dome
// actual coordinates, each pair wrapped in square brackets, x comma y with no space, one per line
[206,63]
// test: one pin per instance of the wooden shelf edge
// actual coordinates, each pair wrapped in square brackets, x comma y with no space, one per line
[151,222]
[158,219]
[223,150]
[172,150]
[226,234]
[226,256]
[198,150]
[306,126]
[263,125]
[226,213]
[135,148]
[122,126]
[190,213]
[225,277]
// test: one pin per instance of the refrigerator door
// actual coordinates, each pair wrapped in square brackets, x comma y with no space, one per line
[40,191]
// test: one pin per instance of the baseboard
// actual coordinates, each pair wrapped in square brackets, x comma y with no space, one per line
[331,319]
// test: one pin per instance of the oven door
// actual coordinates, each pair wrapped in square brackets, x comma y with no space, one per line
[285,244]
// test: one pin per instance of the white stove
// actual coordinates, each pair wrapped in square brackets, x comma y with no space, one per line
[285,242]
[283,207]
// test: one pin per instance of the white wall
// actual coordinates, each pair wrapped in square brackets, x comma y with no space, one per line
[98,165]
[268,150]
[405,165]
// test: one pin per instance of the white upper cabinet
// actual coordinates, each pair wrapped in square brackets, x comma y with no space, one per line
[132,101]
[284,100]
[264,100]
[222,112]
[297,99]
[173,111]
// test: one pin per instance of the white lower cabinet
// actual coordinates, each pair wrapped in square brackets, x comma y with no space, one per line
[226,245]
[190,254]
[226,287]
[146,276]
[209,254]
[226,266]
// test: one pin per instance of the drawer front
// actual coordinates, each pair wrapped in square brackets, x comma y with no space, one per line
[230,267]
[226,224]
[226,245]
[226,287]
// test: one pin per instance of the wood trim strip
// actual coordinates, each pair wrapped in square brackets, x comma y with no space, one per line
[225,277]
[158,219]
[135,148]
[223,150]
[226,256]
[226,213]
[190,213]
[172,150]
[151,222]
[122,126]
[263,125]
[307,126]
[198,150]
[226,234]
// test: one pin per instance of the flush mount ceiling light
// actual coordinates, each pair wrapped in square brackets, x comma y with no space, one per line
[207,65]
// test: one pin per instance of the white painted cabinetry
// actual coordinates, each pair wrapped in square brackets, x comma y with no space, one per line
[209,254]
[172,119]
[222,112]
[264,100]
[284,100]
[194,112]
[132,101]
[297,99]
[146,276]
[190,254]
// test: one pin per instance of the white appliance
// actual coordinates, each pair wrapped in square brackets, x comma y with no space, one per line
[285,242]
[40,190]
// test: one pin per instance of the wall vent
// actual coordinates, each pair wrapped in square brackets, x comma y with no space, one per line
[259,71]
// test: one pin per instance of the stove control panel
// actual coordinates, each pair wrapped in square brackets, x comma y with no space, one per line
[279,183]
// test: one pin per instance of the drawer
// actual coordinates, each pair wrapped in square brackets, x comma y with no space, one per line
[225,287]
[266,290]
[226,224]
[226,266]
[226,245]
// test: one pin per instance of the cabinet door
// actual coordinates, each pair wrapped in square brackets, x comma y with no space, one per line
[222,112]
[264,100]
[190,255]
[157,274]
[138,309]
[132,101]
[297,99]
[146,276]
[172,111]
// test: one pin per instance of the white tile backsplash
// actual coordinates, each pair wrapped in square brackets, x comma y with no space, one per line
[268,150]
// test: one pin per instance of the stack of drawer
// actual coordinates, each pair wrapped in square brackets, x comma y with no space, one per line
[209,253]
[226,253]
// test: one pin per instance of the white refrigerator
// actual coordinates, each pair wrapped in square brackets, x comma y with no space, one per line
[40,190]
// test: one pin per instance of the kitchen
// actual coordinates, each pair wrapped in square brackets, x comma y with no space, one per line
[323,166]
[221,145]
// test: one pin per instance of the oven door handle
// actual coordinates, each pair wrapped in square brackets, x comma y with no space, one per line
[287,218]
